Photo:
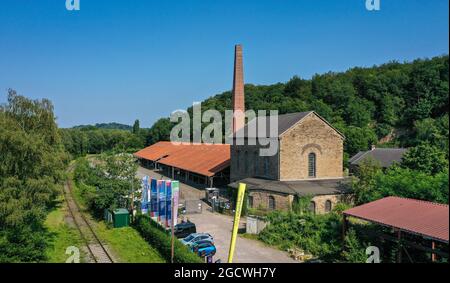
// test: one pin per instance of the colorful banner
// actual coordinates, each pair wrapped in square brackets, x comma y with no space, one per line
[237,217]
[144,199]
[154,199]
[168,207]
[162,201]
[175,196]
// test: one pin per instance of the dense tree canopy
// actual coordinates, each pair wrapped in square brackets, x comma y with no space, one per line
[397,104]
[79,142]
[32,162]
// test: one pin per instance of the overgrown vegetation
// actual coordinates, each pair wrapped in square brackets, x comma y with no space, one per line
[109,184]
[159,238]
[319,235]
[411,179]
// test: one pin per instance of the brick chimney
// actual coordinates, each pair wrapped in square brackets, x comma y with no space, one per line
[238,90]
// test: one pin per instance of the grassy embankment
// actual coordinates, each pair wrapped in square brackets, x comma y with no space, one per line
[60,234]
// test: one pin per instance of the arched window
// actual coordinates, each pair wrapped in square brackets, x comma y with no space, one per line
[328,206]
[312,207]
[271,203]
[250,201]
[312,165]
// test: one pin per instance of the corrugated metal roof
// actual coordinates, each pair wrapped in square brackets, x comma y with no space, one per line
[386,156]
[203,159]
[414,216]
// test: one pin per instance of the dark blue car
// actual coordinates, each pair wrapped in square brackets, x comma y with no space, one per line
[204,248]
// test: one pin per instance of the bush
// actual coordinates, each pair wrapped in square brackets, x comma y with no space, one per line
[319,235]
[158,238]
[354,251]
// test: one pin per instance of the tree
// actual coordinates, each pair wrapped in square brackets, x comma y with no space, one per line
[357,139]
[354,251]
[425,158]
[160,131]
[136,127]
[32,163]
[110,184]
[365,186]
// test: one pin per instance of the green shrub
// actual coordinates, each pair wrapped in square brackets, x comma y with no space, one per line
[158,238]
[319,235]
[355,251]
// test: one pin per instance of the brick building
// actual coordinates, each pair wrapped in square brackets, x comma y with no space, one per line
[308,161]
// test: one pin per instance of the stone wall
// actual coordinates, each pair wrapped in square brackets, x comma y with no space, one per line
[261,200]
[311,135]
[284,202]
[247,162]
[321,202]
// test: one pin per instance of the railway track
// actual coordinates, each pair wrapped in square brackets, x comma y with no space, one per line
[96,249]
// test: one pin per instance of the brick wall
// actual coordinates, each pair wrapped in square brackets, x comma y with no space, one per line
[311,135]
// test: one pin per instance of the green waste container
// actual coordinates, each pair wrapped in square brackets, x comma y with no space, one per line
[121,218]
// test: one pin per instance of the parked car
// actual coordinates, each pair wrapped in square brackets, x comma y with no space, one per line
[204,248]
[184,229]
[197,237]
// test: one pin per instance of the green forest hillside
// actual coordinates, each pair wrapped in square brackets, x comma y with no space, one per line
[394,104]
[108,126]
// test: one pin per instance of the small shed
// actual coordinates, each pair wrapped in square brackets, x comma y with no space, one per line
[424,219]
[121,218]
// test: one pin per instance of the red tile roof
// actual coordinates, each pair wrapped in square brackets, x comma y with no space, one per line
[414,216]
[203,159]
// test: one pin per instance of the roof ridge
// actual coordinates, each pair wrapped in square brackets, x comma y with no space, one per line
[419,200]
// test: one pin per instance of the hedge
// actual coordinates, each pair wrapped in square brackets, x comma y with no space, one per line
[160,239]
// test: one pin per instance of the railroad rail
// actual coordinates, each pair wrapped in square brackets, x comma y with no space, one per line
[95,247]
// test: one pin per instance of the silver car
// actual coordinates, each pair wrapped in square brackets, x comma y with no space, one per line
[196,237]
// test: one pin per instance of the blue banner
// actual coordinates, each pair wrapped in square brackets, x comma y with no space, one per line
[168,203]
[162,201]
[154,199]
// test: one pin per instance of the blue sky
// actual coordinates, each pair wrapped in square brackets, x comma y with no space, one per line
[125,60]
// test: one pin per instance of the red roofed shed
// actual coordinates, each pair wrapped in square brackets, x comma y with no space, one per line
[426,219]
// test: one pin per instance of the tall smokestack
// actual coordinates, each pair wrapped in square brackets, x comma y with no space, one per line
[238,90]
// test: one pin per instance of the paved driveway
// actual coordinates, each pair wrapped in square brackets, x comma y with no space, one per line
[220,226]
[247,250]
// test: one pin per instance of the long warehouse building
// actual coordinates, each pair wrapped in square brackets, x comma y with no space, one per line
[199,164]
